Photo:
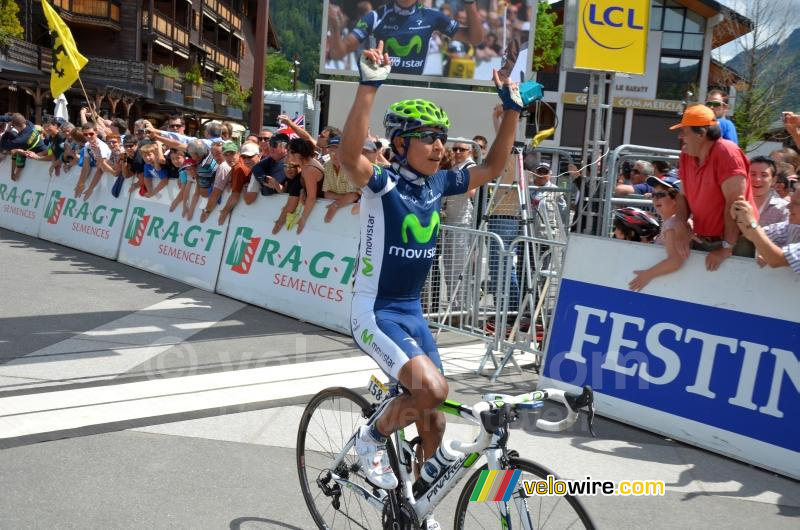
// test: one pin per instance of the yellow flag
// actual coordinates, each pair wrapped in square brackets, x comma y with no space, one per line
[67,60]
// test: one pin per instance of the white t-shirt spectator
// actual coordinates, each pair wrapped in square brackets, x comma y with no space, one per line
[222,177]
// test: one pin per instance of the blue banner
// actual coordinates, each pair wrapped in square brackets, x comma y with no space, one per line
[735,371]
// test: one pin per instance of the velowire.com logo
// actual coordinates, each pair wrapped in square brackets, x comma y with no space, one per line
[495,486]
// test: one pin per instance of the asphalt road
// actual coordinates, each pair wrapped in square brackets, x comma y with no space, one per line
[128,400]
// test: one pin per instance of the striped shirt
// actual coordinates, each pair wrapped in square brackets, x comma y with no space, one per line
[786,236]
[775,210]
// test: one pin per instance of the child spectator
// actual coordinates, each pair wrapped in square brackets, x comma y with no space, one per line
[153,160]
[665,200]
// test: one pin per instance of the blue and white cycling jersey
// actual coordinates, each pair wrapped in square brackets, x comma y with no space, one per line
[399,225]
[405,34]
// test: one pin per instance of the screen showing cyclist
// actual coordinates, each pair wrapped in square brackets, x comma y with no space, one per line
[419,38]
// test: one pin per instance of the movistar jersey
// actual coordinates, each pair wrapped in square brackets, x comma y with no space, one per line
[405,34]
[399,226]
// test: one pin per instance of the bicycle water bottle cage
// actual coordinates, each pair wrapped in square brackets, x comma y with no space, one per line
[496,418]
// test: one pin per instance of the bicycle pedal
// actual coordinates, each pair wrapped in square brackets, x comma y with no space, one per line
[430,524]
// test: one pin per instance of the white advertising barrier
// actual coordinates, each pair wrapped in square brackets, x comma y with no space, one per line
[708,358]
[305,276]
[93,225]
[22,202]
[165,243]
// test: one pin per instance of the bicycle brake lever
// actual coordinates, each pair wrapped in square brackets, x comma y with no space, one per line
[590,413]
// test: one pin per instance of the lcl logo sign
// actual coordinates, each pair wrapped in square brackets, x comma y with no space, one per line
[597,19]
[612,35]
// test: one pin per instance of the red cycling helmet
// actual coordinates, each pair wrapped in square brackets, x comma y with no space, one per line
[642,223]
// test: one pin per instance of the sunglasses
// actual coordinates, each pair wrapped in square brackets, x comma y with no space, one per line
[275,143]
[246,157]
[291,166]
[460,149]
[660,194]
[264,138]
[175,125]
[427,137]
[713,103]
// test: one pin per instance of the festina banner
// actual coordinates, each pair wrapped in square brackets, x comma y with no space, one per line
[708,358]
[307,275]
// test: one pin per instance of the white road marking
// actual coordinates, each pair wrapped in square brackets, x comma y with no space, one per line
[116,347]
[31,414]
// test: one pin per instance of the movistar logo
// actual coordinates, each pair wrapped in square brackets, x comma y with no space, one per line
[367,267]
[393,47]
[422,234]
[366,337]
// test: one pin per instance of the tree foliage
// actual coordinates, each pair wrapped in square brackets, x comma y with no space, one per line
[278,72]
[769,68]
[9,20]
[549,38]
[299,25]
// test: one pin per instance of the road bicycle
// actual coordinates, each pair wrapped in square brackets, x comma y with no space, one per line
[338,495]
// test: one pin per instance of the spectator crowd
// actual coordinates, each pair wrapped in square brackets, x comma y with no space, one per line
[717,200]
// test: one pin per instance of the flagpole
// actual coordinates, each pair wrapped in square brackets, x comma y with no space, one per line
[89,102]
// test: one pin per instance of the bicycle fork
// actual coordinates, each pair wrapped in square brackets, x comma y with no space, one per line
[495,459]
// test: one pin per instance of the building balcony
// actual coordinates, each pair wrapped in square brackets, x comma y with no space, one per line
[99,13]
[165,27]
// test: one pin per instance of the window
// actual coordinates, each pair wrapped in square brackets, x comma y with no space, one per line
[675,76]
[683,28]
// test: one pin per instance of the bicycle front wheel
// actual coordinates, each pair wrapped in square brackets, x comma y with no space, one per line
[523,511]
[331,490]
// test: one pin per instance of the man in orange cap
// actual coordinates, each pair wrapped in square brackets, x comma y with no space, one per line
[714,173]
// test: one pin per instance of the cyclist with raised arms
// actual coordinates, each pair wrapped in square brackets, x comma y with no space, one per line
[405,27]
[399,224]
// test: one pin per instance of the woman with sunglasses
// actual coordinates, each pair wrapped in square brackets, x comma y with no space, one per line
[399,223]
[665,201]
[293,185]
[302,158]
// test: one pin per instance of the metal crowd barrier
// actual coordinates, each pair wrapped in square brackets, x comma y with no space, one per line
[530,294]
[501,295]
[615,159]
[465,283]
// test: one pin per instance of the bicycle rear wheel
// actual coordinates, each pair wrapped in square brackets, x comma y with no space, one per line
[544,512]
[328,422]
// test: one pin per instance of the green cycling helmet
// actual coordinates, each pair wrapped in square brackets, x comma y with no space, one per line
[411,114]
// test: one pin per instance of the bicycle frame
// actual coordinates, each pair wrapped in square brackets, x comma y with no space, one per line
[437,491]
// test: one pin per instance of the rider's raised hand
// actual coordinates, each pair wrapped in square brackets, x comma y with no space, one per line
[508,92]
[374,66]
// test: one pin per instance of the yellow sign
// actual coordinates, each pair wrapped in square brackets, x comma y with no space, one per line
[612,35]
[67,60]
